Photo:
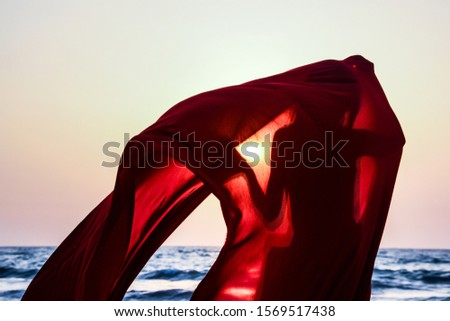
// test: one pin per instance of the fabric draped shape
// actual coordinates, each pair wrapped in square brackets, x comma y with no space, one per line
[301,224]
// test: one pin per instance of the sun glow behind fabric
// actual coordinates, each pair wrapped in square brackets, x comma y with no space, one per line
[75,76]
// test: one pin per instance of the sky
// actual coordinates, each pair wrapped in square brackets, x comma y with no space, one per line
[74,76]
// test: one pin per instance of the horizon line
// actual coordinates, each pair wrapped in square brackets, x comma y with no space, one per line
[220,246]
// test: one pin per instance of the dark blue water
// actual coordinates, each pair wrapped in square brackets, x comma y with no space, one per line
[174,272]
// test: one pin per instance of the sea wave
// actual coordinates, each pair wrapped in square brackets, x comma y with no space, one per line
[10,272]
[173,273]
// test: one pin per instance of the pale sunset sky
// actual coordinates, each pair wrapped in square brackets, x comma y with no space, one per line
[75,76]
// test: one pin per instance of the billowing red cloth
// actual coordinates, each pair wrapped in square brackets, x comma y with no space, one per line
[307,230]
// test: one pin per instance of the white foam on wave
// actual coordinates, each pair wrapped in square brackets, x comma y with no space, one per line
[162,285]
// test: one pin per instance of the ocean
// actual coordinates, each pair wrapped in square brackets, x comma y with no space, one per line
[173,273]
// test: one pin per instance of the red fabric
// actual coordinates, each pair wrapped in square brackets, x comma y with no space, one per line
[294,232]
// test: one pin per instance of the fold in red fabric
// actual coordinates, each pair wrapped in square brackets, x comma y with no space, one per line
[303,163]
